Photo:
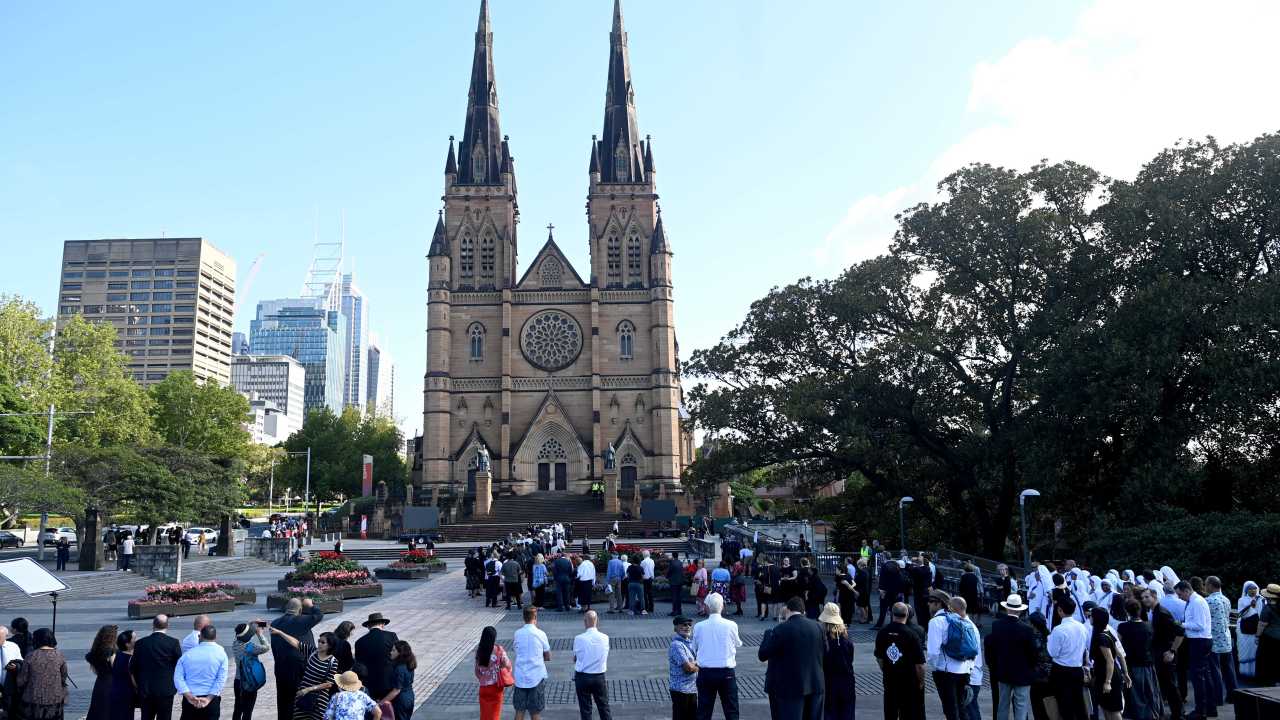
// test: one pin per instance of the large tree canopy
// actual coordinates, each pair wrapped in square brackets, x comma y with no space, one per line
[1112,344]
[207,418]
[337,444]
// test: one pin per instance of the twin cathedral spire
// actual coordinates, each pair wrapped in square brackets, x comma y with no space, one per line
[480,171]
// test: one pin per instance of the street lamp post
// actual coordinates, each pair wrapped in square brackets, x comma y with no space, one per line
[1022,517]
[902,518]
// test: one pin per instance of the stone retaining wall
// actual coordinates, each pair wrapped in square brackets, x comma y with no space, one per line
[162,562]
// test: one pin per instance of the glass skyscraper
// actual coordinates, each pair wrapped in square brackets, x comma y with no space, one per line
[355,313]
[303,329]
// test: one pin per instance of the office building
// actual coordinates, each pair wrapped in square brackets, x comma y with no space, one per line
[266,424]
[239,343]
[381,388]
[355,341]
[276,379]
[171,300]
[306,330]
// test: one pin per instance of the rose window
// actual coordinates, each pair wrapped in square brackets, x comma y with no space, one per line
[551,340]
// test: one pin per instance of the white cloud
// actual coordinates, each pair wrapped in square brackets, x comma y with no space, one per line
[1130,78]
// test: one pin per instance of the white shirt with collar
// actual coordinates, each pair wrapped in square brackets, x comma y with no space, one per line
[647,565]
[716,642]
[1069,642]
[590,652]
[939,660]
[1196,618]
[9,652]
[586,571]
[190,641]
[529,643]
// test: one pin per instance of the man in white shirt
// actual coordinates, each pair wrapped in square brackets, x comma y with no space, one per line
[1069,650]
[126,553]
[9,654]
[590,661]
[950,674]
[533,652]
[586,582]
[647,566]
[1197,624]
[716,643]
[193,638]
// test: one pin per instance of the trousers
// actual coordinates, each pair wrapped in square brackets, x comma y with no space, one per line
[243,709]
[951,688]
[1014,703]
[156,708]
[1199,657]
[1068,690]
[208,712]
[592,686]
[1166,676]
[903,697]
[717,682]
[564,594]
[684,706]
[1226,675]
[635,597]
[800,707]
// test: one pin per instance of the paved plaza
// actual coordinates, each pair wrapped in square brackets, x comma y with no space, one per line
[443,625]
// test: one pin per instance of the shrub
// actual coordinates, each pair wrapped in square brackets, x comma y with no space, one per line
[188,592]
[1234,546]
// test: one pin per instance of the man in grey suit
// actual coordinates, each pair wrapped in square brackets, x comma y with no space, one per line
[794,680]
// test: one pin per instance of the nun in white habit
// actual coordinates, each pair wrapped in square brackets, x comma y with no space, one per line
[1249,605]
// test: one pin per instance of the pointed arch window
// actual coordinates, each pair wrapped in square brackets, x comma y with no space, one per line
[552,273]
[626,340]
[634,275]
[475,334]
[467,257]
[552,450]
[614,259]
[487,252]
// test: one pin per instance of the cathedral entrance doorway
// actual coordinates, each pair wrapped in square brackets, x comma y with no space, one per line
[553,476]
[471,482]
[628,479]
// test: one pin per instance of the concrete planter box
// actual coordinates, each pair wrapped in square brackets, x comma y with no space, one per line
[138,611]
[277,601]
[353,592]
[244,596]
[421,572]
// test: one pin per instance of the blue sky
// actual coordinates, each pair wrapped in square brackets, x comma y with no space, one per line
[786,134]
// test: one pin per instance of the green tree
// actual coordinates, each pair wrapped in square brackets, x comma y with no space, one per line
[25,364]
[337,444]
[207,418]
[1106,342]
[25,488]
[90,377]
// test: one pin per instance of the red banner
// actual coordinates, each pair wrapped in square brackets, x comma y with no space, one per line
[366,484]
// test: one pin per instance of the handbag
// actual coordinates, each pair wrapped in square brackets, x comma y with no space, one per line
[1249,625]
[505,677]
[388,712]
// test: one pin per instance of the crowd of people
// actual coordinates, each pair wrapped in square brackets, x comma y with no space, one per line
[324,677]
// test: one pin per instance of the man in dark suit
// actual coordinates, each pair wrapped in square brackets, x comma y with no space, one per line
[154,659]
[891,584]
[794,680]
[562,572]
[675,580]
[298,620]
[373,651]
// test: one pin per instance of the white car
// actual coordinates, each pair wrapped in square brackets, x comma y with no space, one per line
[210,535]
[53,535]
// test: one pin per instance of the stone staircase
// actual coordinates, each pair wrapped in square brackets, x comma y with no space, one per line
[515,513]
[106,582]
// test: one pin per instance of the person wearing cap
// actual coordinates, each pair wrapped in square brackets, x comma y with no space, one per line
[682,671]
[251,641]
[373,651]
[900,655]
[950,675]
[1011,654]
[350,703]
[794,650]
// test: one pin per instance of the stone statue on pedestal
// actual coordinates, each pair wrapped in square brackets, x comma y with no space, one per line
[609,454]
[482,459]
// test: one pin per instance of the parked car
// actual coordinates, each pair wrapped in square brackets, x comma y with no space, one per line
[53,535]
[210,535]
[8,539]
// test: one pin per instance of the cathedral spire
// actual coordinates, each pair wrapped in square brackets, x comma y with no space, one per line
[440,240]
[621,159]
[480,152]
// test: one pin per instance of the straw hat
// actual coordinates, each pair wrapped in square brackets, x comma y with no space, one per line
[1272,592]
[831,614]
[1013,603]
[348,681]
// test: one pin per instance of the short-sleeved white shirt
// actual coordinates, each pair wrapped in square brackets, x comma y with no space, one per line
[529,643]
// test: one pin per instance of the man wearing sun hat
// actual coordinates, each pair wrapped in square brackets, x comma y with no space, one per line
[373,651]
[1010,652]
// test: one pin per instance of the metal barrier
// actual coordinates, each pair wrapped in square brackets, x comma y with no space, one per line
[702,548]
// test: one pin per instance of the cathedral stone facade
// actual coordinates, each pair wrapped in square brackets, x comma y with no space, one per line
[548,369]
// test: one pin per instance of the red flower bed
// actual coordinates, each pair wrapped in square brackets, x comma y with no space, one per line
[188,592]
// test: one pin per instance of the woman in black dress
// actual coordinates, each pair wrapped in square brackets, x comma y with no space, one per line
[1060,591]
[124,698]
[1110,678]
[100,657]
[862,583]
[815,591]
[969,589]
[787,584]
[342,648]
[846,592]
[837,665]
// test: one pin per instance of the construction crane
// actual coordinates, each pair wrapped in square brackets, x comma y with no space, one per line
[253,273]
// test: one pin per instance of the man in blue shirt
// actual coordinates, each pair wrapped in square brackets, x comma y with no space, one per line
[683,671]
[199,677]
[617,571]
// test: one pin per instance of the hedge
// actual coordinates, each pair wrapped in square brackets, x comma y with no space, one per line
[1234,546]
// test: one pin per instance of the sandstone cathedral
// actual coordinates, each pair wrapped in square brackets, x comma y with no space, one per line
[549,372]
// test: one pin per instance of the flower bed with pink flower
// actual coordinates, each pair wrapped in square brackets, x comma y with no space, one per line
[190,598]
[335,574]
[418,559]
